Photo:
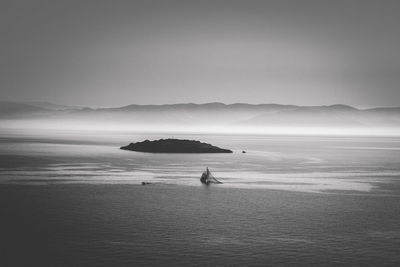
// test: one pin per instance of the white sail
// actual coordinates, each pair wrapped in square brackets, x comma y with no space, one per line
[208,178]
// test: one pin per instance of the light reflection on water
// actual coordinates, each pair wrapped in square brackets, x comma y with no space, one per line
[305,164]
[331,203]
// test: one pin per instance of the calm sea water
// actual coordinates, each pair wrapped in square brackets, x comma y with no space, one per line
[75,199]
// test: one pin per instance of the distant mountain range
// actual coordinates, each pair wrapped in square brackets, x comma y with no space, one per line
[219,114]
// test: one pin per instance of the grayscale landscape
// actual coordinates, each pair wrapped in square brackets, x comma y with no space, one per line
[210,117]
[199,133]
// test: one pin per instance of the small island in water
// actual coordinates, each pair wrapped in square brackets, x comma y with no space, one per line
[174,146]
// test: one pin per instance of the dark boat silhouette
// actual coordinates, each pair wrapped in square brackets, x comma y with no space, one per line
[207,178]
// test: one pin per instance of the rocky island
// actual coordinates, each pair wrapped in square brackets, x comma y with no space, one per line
[174,146]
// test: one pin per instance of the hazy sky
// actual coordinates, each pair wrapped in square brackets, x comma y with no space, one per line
[111,53]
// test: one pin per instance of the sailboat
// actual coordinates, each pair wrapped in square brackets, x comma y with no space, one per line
[207,178]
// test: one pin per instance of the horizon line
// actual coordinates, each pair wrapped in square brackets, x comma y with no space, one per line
[193,103]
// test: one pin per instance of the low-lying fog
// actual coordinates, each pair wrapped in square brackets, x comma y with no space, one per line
[206,118]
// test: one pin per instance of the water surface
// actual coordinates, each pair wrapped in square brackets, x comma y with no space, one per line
[75,199]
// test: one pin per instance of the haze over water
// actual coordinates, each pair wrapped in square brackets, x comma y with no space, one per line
[74,198]
[309,89]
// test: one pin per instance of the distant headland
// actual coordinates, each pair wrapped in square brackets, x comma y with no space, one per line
[174,146]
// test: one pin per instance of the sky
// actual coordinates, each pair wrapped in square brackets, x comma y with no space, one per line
[114,53]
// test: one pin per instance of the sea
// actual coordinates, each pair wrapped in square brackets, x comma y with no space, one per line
[73,198]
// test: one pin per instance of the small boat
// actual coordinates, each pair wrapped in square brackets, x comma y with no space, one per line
[207,178]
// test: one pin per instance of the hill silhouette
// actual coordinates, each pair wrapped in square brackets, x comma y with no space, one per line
[174,146]
[207,115]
